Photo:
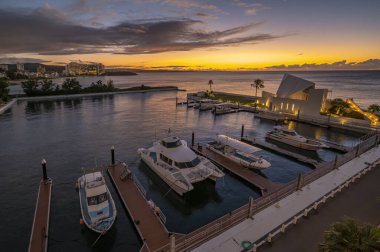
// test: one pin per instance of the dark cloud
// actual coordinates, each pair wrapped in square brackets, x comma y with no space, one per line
[371,64]
[14,60]
[46,31]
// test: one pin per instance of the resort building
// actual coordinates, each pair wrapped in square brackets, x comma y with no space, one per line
[80,68]
[4,67]
[296,96]
[20,67]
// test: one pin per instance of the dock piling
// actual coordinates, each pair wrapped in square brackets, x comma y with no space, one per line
[113,155]
[192,139]
[299,182]
[176,101]
[242,131]
[44,169]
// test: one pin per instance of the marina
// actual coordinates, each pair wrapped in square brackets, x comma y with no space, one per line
[220,209]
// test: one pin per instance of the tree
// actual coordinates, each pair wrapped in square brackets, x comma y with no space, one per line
[71,86]
[210,83]
[374,108]
[4,90]
[110,86]
[257,84]
[337,106]
[351,236]
[30,87]
[47,86]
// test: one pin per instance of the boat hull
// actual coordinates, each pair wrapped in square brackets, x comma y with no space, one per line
[300,145]
[171,183]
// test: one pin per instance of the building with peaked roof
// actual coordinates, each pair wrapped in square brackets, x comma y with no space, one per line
[296,96]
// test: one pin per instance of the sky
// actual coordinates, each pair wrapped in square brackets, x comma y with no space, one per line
[193,34]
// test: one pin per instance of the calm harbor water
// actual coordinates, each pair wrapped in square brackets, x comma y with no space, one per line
[77,133]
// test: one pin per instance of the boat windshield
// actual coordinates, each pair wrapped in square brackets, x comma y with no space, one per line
[189,164]
[172,144]
[96,200]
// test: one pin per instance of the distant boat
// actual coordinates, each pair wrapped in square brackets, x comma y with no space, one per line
[176,164]
[292,138]
[96,203]
[238,152]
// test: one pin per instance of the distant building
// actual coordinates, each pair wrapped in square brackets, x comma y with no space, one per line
[41,71]
[79,68]
[20,67]
[296,95]
[4,67]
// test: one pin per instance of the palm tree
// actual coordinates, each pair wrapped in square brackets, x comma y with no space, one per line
[257,84]
[351,236]
[210,83]
[374,108]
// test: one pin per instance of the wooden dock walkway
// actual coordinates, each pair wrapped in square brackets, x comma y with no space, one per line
[273,147]
[40,229]
[265,185]
[152,232]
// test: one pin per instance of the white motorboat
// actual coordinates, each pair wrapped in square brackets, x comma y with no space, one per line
[291,137]
[176,164]
[238,152]
[224,108]
[96,203]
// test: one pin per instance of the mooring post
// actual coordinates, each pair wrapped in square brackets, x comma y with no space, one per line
[113,155]
[44,169]
[172,243]
[192,139]
[176,101]
[336,162]
[250,210]
[242,131]
[299,181]
[357,150]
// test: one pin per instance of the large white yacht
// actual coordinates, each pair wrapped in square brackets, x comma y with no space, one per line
[291,137]
[97,206]
[238,152]
[176,164]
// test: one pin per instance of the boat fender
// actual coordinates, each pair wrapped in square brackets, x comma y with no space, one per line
[247,245]
[157,211]
[81,221]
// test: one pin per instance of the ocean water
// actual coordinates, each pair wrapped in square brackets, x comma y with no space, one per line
[363,86]
[76,133]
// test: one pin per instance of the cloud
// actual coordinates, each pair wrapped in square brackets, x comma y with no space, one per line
[251,7]
[371,64]
[205,15]
[14,60]
[54,34]
[251,12]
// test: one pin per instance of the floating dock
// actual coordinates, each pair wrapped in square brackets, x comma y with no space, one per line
[265,185]
[275,148]
[151,230]
[40,229]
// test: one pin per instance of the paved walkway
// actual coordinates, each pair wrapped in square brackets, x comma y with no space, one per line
[268,219]
[360,201]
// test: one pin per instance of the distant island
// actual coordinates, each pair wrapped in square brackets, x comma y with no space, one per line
[118,73]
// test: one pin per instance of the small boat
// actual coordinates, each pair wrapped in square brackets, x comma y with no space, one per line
[96,203]
[177,165]
[291,137]
[238,152]
[224,108]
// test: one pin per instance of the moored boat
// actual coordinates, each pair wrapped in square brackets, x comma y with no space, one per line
[238,152]
[96,203]
[177,165]
[291,137]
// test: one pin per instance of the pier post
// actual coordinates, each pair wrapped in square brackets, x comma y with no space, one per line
[176,101]
[336,162]
[250,210]
[192,139]
[357,150]
[113,155]
[172,243]
[242,131]
[44,169]
[299,182]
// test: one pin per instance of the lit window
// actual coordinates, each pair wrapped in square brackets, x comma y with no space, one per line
[293,107]
[287,106]
[282,105]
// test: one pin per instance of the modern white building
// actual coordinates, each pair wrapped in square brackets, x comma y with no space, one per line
[296,96]
[81,68]
[20,67]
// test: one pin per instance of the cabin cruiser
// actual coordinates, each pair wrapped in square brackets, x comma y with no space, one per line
[291,137]
[238,152]
[96,203]
[176,164]
[224,108]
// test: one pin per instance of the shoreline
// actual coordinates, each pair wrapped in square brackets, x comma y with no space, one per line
[70,96]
